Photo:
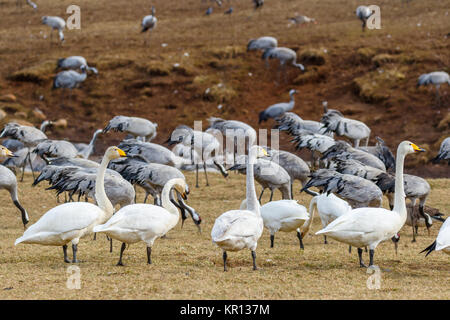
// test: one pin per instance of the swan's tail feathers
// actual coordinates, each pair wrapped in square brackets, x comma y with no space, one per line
[19,240]
[323,231]
[99,228]
[429,249]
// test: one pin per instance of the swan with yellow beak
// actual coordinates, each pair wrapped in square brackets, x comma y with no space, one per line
[71,221]
[369,226]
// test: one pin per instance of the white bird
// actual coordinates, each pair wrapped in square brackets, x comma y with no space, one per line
[329,208]
[139,127]
[285,56]
[144,222]
[437,78]
[71,221]
[56,23]
[442,241]
[149,22]
[444,151]
[235,230]
[369,226]
[282,215]
[363,13]
[278,109]
[8,182]
[75,62]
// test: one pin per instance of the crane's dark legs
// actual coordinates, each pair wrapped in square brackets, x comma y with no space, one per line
[149,255]
[110,245]
[224,261]
[23,212]
[206,175]
[254,260]
[31,166]
[299,236]
[271,195]
[361,262]
[260,196]
[196,175]
[272,238]
[122,249]
[66,259]
[350,249]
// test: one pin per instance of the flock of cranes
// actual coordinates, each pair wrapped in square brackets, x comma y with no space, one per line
[351,179]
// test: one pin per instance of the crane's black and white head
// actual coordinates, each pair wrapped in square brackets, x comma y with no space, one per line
[292,92]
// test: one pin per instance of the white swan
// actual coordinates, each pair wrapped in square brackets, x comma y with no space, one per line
[144,222]
[71,221]
[442,241]
[282,215]
[329,208]
[235,230]
[369,226]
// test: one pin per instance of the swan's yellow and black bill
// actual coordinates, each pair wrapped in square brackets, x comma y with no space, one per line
[121,152]
[416,148]
[265,152]
[7,152]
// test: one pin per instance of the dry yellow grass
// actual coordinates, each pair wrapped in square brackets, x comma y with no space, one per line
[187,265]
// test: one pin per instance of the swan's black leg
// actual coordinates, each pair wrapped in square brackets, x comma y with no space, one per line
[254,260]
[122,249]
[149,255]
[224,261]
[110,245]
[325,240]
[206,175]
[299,236]
[66,259]
[74,250]
[371,253]
[361,262]
[272,238]
[350,249]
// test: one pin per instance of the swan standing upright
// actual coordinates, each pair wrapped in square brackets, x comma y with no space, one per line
[369,226]
[235,230]
[144,222]
[71,221]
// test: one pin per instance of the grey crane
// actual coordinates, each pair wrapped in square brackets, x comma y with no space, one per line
[55,149]
[69,79]
[345,151]
[382,152]
[291,123]
[258,4]
[236,130]
[56,23]
[444,151]
[302,20]
[437,78]
[229,11]
[278,109]
[363,13]
[294,166]
[209,11]
[140,128]
[149,22]
[357,191]
[285,56]
[29,2]
[262,43]
[85,150]
[8,182]
[204,144]
[75,62]
[268,174]
[152,152]
[353,129]
[28,135]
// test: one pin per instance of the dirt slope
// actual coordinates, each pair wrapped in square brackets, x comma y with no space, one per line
[369,76]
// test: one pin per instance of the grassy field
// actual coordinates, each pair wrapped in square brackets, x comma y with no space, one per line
[187,265]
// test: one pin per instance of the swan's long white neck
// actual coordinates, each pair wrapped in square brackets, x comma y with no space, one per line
[399,197]
[252,200]
[100,194]
[165,198]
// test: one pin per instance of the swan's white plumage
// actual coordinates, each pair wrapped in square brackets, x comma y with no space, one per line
[443,238]
[60,225]
[283,215]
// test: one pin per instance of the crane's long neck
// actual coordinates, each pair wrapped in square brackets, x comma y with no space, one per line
[165,198]
[399,197]
[100,194]
[291,104]
[90,147]
[252,200]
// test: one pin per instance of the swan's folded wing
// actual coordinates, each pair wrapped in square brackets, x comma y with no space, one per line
[234,223]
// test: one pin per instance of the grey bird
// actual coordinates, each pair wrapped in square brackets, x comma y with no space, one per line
[444,151]
[382,152]
[140,128]
[437,78]
[363,13]
[278,109]
[286,56]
